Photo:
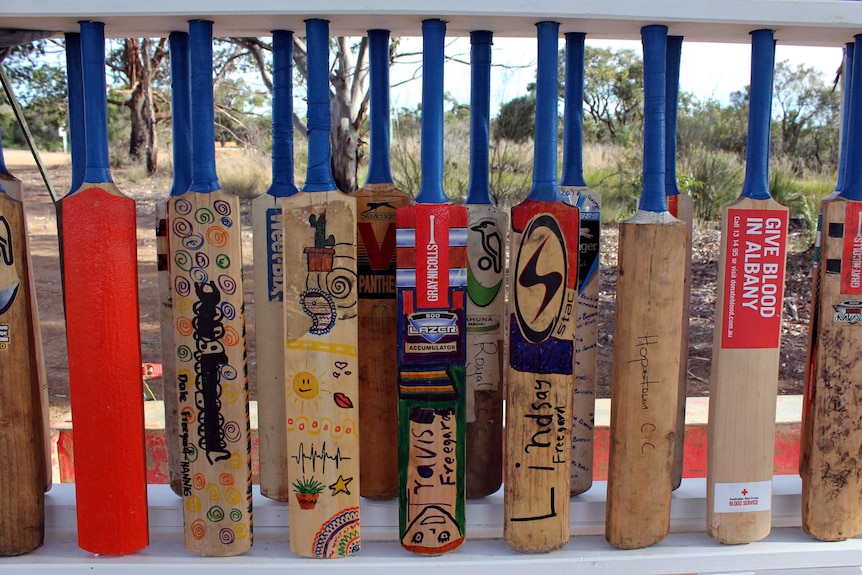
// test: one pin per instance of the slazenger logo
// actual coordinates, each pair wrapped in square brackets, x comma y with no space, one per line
[849,311]
[432,326]
[541,270]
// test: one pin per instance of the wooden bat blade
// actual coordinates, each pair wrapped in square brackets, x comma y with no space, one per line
[378,337]
[22,477]
[321,373]
[744,375]
[681,206]
[102,324]
[830,478]
[166,332]
[643,388]
[589,203]
[212,384]
[432,260]
[747,333]
[487,228]
[269,341]
[543,303]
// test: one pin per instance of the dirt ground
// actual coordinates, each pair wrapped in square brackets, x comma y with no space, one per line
[43,233]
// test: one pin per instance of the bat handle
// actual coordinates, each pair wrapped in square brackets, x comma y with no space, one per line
[95,102]
[282,115]
[573,128]
[181,104]
[204,177]
[674,52]
[479,189]
[756,185]
[431,188]
[655,49]
[379,167]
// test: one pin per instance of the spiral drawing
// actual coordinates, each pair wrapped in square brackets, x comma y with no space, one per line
[204,216]
[222,207]
[182,227]
[183,207]
[193,241]
[227,284]
[217,236]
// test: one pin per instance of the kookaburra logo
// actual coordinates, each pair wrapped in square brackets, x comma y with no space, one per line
[9,283]
[492,244]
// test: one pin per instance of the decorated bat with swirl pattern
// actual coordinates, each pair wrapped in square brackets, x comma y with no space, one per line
[431,278]
[746,346]
[269,279]
[376,203]
[543,301]
[647,337]
[831,469]
[209,319]
[320,356]
[103,334]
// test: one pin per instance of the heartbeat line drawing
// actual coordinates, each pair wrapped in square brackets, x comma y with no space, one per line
[314,456]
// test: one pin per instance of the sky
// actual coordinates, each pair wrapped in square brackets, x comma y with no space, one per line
[706,70]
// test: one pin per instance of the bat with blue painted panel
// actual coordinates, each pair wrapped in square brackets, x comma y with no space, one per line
[543,296]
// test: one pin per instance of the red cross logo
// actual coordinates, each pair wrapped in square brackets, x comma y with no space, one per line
[745,492]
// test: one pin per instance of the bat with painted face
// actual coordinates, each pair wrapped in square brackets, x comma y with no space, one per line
[431,253]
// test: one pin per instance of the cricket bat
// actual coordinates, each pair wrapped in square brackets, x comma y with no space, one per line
[269,279]
[209,323]
[589,203]
[746,343]
[647,339]
[320,356]
[681,207]
[431,254]
[831,470]
[487,227]
[543,303]
[376,203]
[808,393]
[100,264]
[181,129]
[22,477]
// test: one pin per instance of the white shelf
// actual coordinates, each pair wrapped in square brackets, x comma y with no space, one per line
[802,22]
[687,550]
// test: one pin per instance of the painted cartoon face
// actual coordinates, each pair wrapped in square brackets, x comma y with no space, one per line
[305,385]
[431,532]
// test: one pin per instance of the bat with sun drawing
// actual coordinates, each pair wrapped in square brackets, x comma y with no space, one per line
[320,323]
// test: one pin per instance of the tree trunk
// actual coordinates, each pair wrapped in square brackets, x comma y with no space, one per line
[147,110]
